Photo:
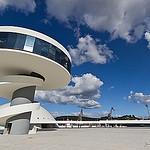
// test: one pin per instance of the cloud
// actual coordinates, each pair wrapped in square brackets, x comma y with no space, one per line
[111,87]
[24,5]
[83,92]
[147,37]
[57,114]
[139,98]
[127,19]
[89,50]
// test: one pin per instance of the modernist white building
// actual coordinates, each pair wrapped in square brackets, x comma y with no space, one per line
[29,61]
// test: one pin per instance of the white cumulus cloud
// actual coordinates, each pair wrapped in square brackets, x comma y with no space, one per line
[25,5]
[147,37]
[139,97]
[89,50]
[83,92]
[127,19]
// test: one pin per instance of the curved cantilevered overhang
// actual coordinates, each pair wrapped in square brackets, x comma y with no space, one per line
[29,60]
[30,53]
[21,30]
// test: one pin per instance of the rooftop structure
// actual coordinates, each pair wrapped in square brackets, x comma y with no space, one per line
[29,60]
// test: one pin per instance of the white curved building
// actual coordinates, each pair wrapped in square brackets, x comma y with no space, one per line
[29,60]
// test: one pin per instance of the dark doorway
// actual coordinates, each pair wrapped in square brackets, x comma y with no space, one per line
[8,127]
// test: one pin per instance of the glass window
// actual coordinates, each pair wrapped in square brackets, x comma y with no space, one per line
[20,41]
[29,43]
[64,61]
[11,40]
[35,45]
[41,47]
[58,55]
[52,52]
[3,39]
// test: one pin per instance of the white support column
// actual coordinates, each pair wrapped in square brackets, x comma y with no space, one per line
[20,123]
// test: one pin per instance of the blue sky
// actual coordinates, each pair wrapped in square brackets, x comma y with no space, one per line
[124,38]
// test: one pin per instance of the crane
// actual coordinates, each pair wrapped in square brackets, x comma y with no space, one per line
[110,113]
[81,114]
[146,105]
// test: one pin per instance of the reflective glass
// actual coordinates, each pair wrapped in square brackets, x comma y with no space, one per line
[52,52]
[3,39]
[35,45]
[11,40]
[41,47]
[29,43]
[20,41]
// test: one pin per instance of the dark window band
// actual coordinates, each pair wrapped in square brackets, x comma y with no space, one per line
[35,45]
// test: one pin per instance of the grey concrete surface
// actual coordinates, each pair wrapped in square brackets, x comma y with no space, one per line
[20,123]
[20,127]
[80,139]
[26,92]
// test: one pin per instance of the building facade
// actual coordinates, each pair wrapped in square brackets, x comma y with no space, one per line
[29,61]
